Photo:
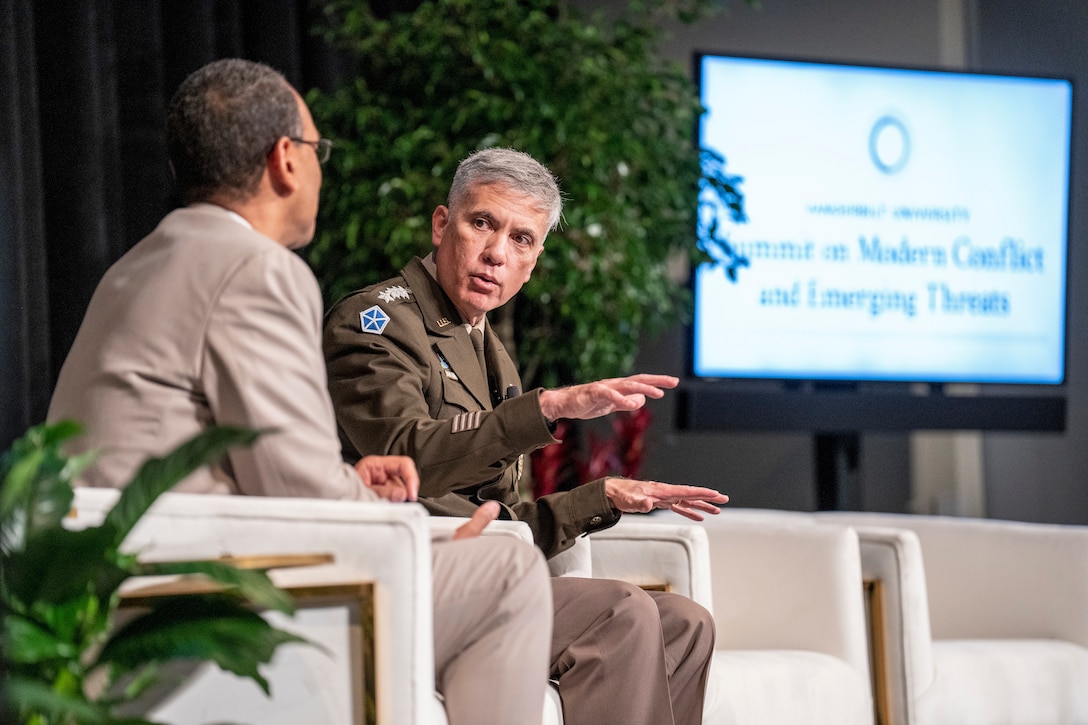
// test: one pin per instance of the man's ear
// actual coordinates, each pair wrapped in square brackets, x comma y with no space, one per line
[439,220]
[529,271]
[281,167]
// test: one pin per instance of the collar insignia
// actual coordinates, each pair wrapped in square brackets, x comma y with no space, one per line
[443,322]
[396,292]
[373,320]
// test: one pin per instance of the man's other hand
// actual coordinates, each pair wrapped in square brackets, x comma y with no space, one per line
[632,496]
[394,478]
[488,512]
[592,400]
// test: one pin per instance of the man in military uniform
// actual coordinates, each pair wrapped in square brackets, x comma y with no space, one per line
[415,369]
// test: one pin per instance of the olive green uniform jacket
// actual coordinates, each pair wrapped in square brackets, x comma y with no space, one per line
[405,380]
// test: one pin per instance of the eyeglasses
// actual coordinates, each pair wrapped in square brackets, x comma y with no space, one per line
[322,147]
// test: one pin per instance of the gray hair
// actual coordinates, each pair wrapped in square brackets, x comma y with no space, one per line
[221,125]
[515,169]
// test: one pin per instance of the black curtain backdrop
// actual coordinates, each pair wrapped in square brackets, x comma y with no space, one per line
[83,167]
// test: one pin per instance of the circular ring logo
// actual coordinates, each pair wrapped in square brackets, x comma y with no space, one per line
[889,144]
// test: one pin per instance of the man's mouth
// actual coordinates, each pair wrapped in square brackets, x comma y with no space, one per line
[484,281]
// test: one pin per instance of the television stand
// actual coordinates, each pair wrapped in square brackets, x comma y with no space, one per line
[838,486]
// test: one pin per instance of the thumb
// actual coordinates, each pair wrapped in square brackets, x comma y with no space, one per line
[483,516]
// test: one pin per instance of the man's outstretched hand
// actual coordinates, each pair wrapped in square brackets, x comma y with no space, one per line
[632,496]
[592,400]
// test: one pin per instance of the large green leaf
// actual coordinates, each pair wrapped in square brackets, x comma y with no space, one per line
[134,685]
[215,628]
[78,620]
[158,475]
[58,564]
[26,642]
[30,696]
[253,585]
[19,474]
[37,483]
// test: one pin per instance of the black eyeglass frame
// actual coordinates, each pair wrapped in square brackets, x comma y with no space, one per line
[322,147]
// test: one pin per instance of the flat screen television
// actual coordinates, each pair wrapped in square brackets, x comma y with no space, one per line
[902,225]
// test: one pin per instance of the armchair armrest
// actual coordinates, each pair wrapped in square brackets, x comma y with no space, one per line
[443,527]
[675,557]
[899,637]
[388,544]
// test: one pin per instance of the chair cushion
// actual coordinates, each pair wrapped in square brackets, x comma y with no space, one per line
[785,687]
[1004,682]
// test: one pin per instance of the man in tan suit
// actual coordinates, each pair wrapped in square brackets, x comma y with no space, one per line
[406,378]
[212,319]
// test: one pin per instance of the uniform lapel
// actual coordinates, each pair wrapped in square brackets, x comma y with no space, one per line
[445,328]
[461,356]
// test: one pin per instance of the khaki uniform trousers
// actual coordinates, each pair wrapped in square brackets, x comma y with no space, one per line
[492,630]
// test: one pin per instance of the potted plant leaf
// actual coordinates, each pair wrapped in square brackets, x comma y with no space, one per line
[65,660]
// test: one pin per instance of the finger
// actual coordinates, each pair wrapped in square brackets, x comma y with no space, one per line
[630,388]
[600,399]
[398,470]
[658,381]
[409,475]
[672,491]
[680,508]
[483,516]
[635,386]
[701,506]
[390,491]
[620,395]
[392,470]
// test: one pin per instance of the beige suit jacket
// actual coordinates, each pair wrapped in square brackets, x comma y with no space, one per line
[203,322]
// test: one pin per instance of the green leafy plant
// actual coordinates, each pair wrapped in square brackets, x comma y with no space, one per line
[59,588]
[586,94]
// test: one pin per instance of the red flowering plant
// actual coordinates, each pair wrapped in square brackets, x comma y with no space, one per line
[562,466]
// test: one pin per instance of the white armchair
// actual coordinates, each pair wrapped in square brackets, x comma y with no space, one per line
[983,622]
[182,526]
[787,602]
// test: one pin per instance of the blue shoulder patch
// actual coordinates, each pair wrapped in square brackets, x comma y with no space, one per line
[373,319]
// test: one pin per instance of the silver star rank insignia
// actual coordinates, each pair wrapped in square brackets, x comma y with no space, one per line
[396,292]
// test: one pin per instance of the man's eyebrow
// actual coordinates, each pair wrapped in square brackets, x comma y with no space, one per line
[527,232]
[485,214]
[493,221]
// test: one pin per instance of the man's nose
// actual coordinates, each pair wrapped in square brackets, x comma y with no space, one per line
[495,249]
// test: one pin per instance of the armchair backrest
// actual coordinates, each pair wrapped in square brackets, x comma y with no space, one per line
[1033,578]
